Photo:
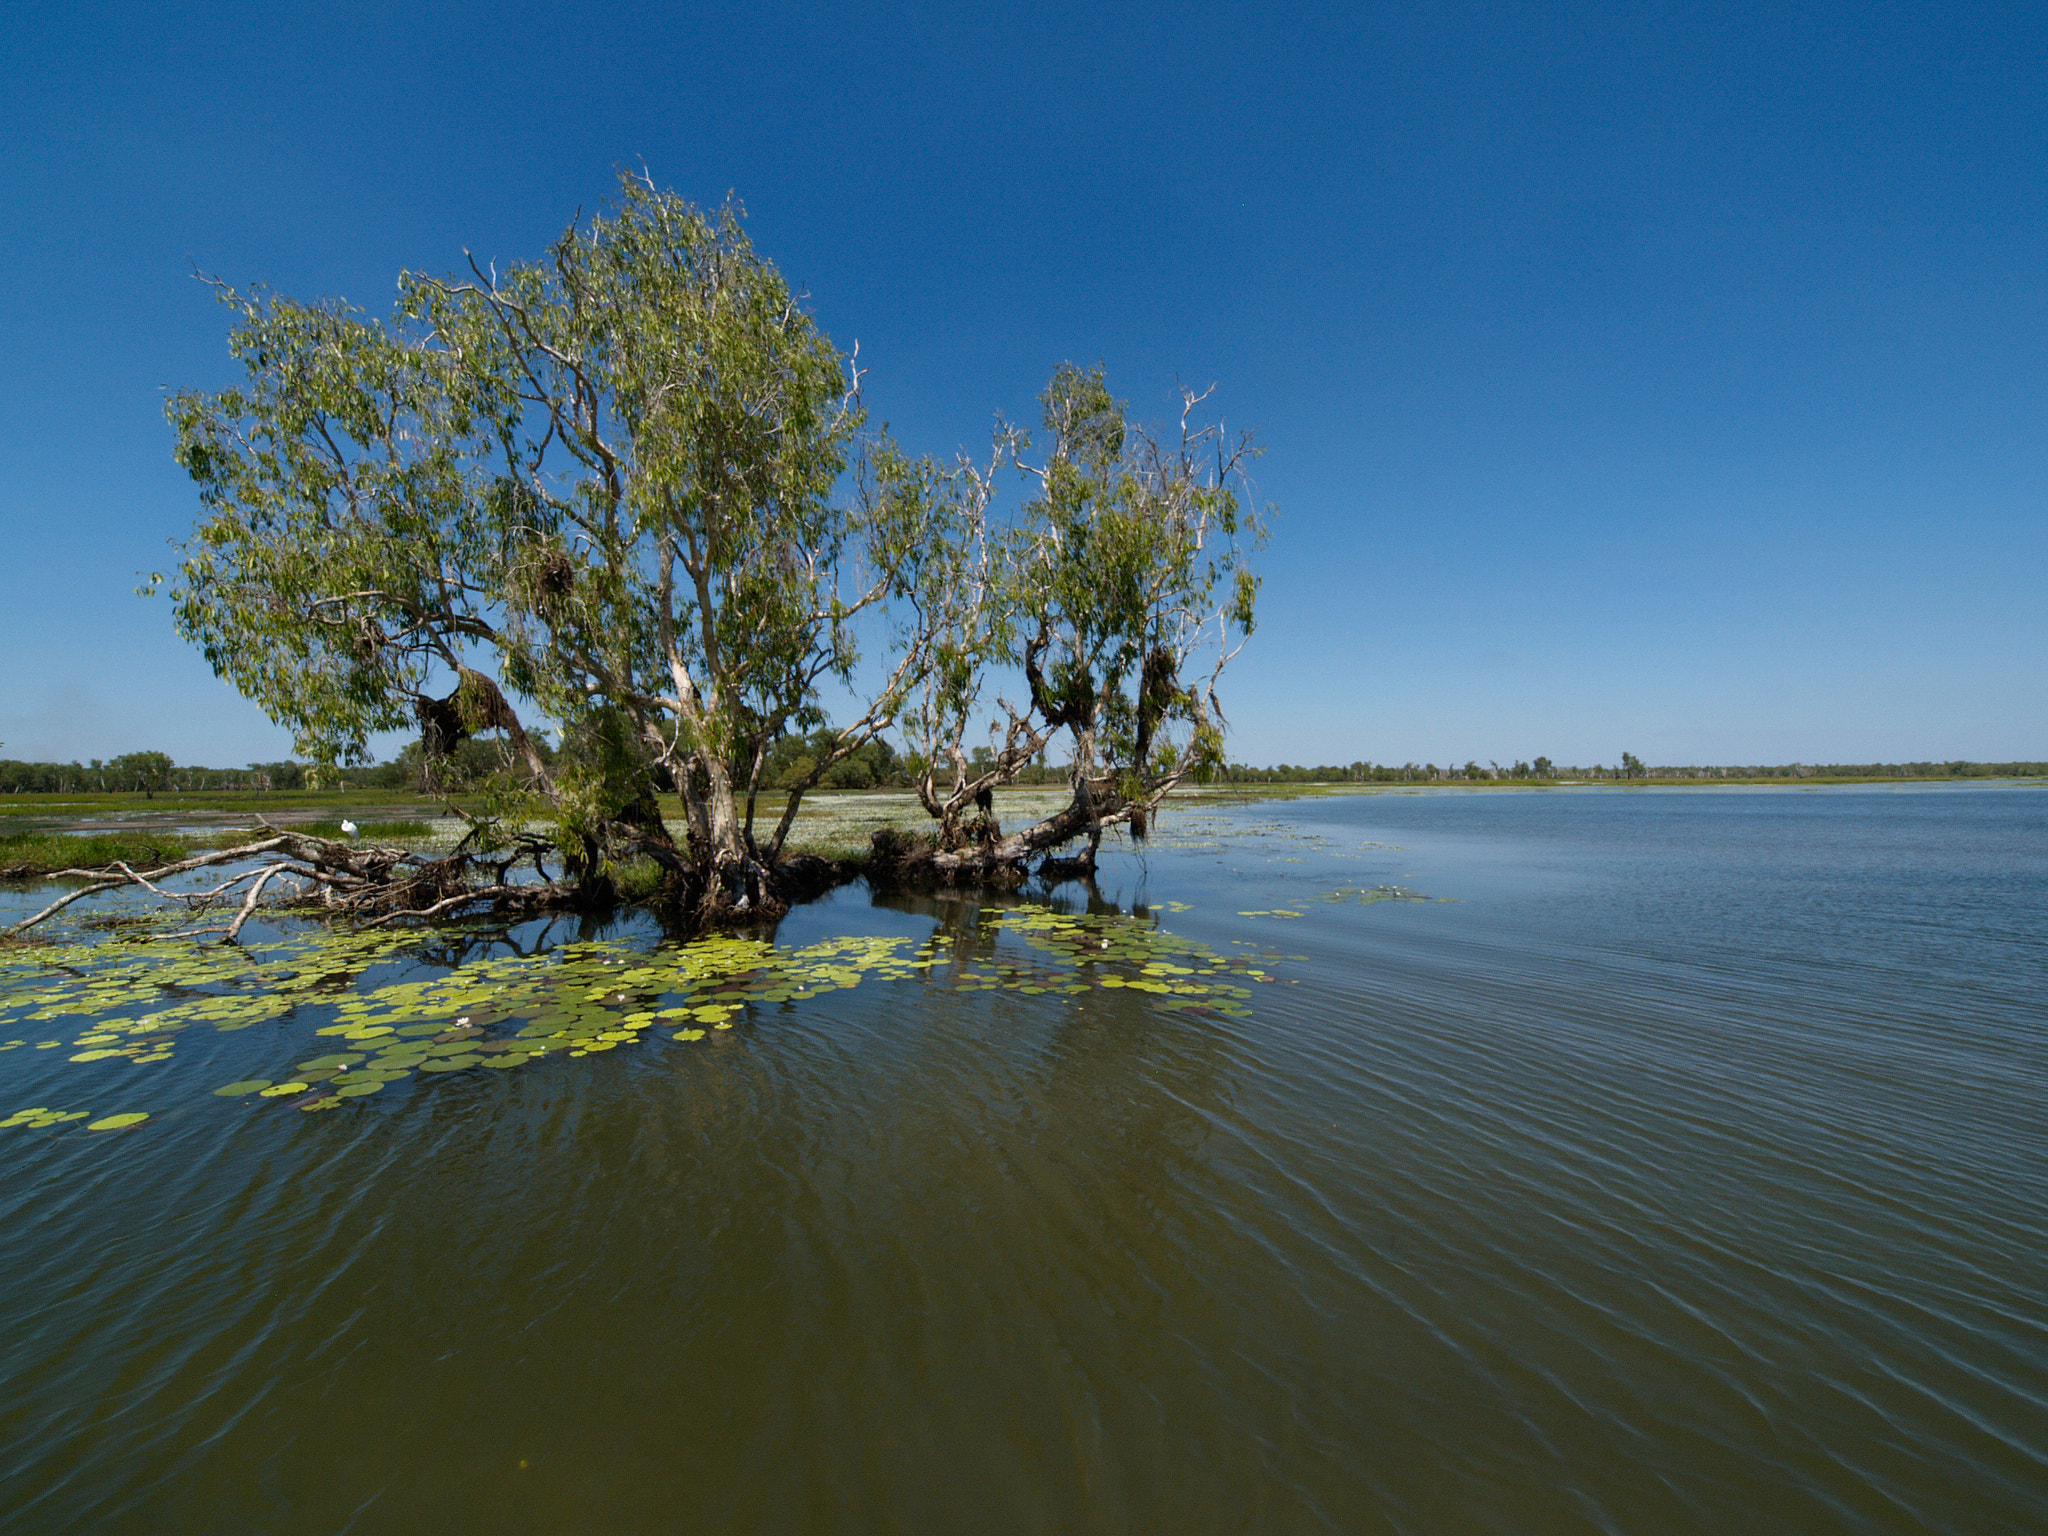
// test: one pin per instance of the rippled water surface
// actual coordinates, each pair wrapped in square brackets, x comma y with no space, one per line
[1682,1169]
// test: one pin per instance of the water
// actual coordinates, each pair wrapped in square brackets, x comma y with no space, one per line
[1684,1171]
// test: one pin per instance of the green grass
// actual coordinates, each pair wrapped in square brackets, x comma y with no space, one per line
[24,856]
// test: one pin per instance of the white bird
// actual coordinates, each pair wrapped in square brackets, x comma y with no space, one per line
[350,829]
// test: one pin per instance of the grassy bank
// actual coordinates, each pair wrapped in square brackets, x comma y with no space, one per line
[30,855]
[92,805]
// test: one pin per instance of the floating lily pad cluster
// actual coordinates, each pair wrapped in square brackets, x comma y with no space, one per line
[1113,951]
[1367,895]
[130,1001]
[1357,895]
[139,995]
[41,1118]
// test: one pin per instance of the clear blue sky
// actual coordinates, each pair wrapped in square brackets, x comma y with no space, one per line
[1663,378]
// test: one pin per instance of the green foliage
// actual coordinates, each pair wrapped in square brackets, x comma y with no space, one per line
[793,759]
[144,771]
[1133,567]
[603,482]
[607,484]
[1126,572]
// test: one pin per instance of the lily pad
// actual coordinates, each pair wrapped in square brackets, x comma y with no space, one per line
[236,1090]
[116,1122]
[280,1090]
[357,1089]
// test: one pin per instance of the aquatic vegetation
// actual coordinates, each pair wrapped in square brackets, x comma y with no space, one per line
[1367,895]
[39,1117]
[1356,895]
[377,1019]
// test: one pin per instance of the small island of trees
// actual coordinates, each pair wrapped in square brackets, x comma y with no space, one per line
[629,495]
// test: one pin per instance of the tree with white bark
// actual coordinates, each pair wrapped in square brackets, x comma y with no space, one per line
[629,490]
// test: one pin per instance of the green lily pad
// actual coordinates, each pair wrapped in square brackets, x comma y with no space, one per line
[116,1122]
[279,1090]
[338,1059]
[236,1090]
[356,1090]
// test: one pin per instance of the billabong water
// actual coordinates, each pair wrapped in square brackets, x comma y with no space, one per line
[1424,1163]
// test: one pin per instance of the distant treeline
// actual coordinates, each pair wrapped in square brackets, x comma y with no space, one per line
[878,766]
[1630,767]
[145,773]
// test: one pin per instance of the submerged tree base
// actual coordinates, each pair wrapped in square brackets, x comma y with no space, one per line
[493,875]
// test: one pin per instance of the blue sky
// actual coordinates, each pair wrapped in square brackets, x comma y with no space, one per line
[1659,378]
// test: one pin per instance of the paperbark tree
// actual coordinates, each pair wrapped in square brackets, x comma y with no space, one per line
[603,484]
[1125,573]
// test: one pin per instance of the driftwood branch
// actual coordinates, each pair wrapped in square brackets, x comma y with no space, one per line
[249,901]
[379,883]
[101,881]
[524,894]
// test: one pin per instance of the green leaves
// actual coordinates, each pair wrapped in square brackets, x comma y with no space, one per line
[604,481]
